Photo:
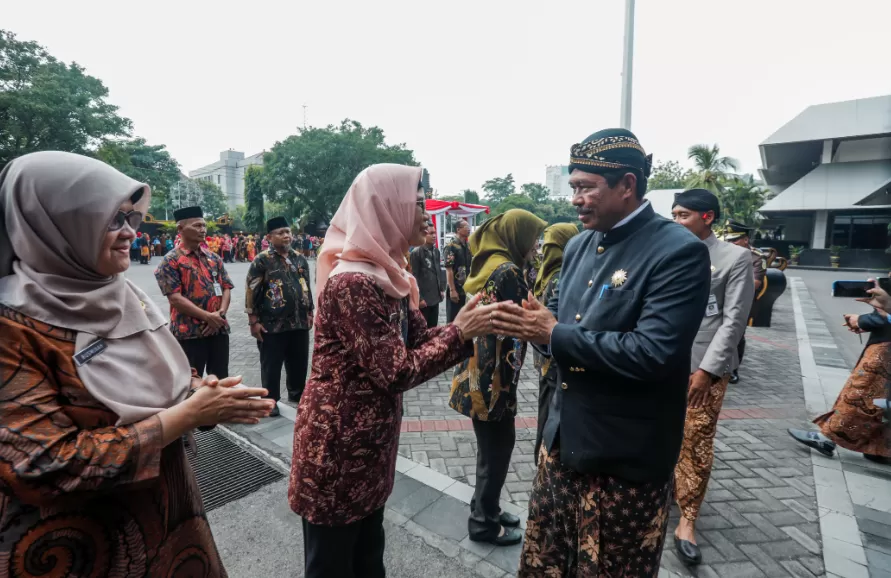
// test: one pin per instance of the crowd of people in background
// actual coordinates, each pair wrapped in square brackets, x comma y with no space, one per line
[238,247]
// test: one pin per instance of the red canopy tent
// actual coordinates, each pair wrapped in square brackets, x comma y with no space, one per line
[439,209]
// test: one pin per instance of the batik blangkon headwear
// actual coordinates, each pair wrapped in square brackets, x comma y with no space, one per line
[698,200]
[610,150]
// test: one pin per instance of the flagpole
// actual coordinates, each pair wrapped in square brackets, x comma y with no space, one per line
[628,64]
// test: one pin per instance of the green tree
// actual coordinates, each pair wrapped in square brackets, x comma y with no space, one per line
[711,168]
[471,196]
[669,175]
[254,215]
[49,105]
[741,199]
[516,202]
[146,163]
[313,169]
[536,191]
[499,189]
[213,200]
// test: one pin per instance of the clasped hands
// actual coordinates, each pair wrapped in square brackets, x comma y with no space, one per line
[222,401]
[531,322]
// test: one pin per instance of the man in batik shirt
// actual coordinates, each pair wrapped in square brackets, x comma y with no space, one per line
[279,305]
[457,265]
[198,288]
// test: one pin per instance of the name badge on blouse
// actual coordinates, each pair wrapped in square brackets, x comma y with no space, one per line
[712,308]
[85,355]
[217,290]
[303,285]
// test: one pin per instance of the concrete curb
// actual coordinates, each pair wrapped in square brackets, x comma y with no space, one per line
[843,552]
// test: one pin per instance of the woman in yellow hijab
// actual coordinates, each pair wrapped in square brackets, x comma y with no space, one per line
[555,239]
[485,386]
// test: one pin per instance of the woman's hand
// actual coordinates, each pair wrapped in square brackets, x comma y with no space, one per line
[226,403]
[474,319]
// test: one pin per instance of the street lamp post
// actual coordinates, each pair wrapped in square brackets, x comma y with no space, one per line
[628,64]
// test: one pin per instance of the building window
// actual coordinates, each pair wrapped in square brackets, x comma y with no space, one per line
[861,231]
[218,179]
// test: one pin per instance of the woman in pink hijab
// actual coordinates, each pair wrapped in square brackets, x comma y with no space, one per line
[371,344]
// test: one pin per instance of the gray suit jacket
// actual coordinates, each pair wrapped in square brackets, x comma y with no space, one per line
[732,292]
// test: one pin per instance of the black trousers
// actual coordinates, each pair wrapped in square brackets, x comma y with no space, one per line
[431,315]
[495,443]
[352,551]
[452,308]
[741,348]
[290,348]
[209,354]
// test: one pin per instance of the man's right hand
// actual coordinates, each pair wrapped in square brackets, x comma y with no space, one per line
[257,330]
[214,320]
[453,295]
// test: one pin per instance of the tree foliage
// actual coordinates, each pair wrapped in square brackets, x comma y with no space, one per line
[499,189]
[669,175]
[146,163]
[536,191]
[254,214]
[471,196]
[49,105]
[741,199]
[312,170]
[711,168]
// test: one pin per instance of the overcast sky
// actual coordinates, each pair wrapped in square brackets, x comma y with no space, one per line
[477,88]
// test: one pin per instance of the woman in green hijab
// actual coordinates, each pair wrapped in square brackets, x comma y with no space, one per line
[484,387]
[555,239]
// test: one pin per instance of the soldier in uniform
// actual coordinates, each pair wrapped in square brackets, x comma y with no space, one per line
[620,330]
[739,234]
[714,357]
[457,258]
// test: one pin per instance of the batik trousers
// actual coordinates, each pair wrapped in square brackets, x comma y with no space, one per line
[694,466]
[593,525]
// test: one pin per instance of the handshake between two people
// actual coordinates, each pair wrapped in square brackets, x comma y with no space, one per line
[531,321]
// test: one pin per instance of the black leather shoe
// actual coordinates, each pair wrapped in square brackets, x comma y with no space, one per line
[275,412]
[509,520]
[510,537]
[734,377]
[814,440]
[688,552]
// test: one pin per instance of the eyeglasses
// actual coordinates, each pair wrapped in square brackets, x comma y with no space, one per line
[133,218]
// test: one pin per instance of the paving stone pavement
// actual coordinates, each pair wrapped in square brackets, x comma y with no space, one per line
[760,517]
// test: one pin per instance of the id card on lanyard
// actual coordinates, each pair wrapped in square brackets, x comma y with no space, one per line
[217,288]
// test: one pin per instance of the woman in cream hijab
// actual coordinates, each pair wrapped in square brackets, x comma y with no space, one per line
[95,393]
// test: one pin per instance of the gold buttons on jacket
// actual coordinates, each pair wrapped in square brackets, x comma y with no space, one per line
[578,317]
[564,386]
[600,250]
[577,369]
[590,283]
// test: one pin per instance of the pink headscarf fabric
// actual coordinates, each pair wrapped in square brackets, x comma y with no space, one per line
[370,231]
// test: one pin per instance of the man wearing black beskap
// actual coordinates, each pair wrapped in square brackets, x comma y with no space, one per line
[620,328]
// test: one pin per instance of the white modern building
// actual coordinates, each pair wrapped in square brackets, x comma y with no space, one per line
[830,168]
[557,180]
[228,174]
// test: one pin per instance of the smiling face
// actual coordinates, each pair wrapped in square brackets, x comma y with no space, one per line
[697,222]
[419,229]
[114,253]
[599,205]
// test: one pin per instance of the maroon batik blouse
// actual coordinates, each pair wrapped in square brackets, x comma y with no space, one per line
[346,436]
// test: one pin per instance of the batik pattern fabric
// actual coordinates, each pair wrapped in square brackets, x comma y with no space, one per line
[80,496]
[855,422]
[457,258]
[193,274]
[278,291]
[694,467]
[346,437]
[484,387]
[592,525]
